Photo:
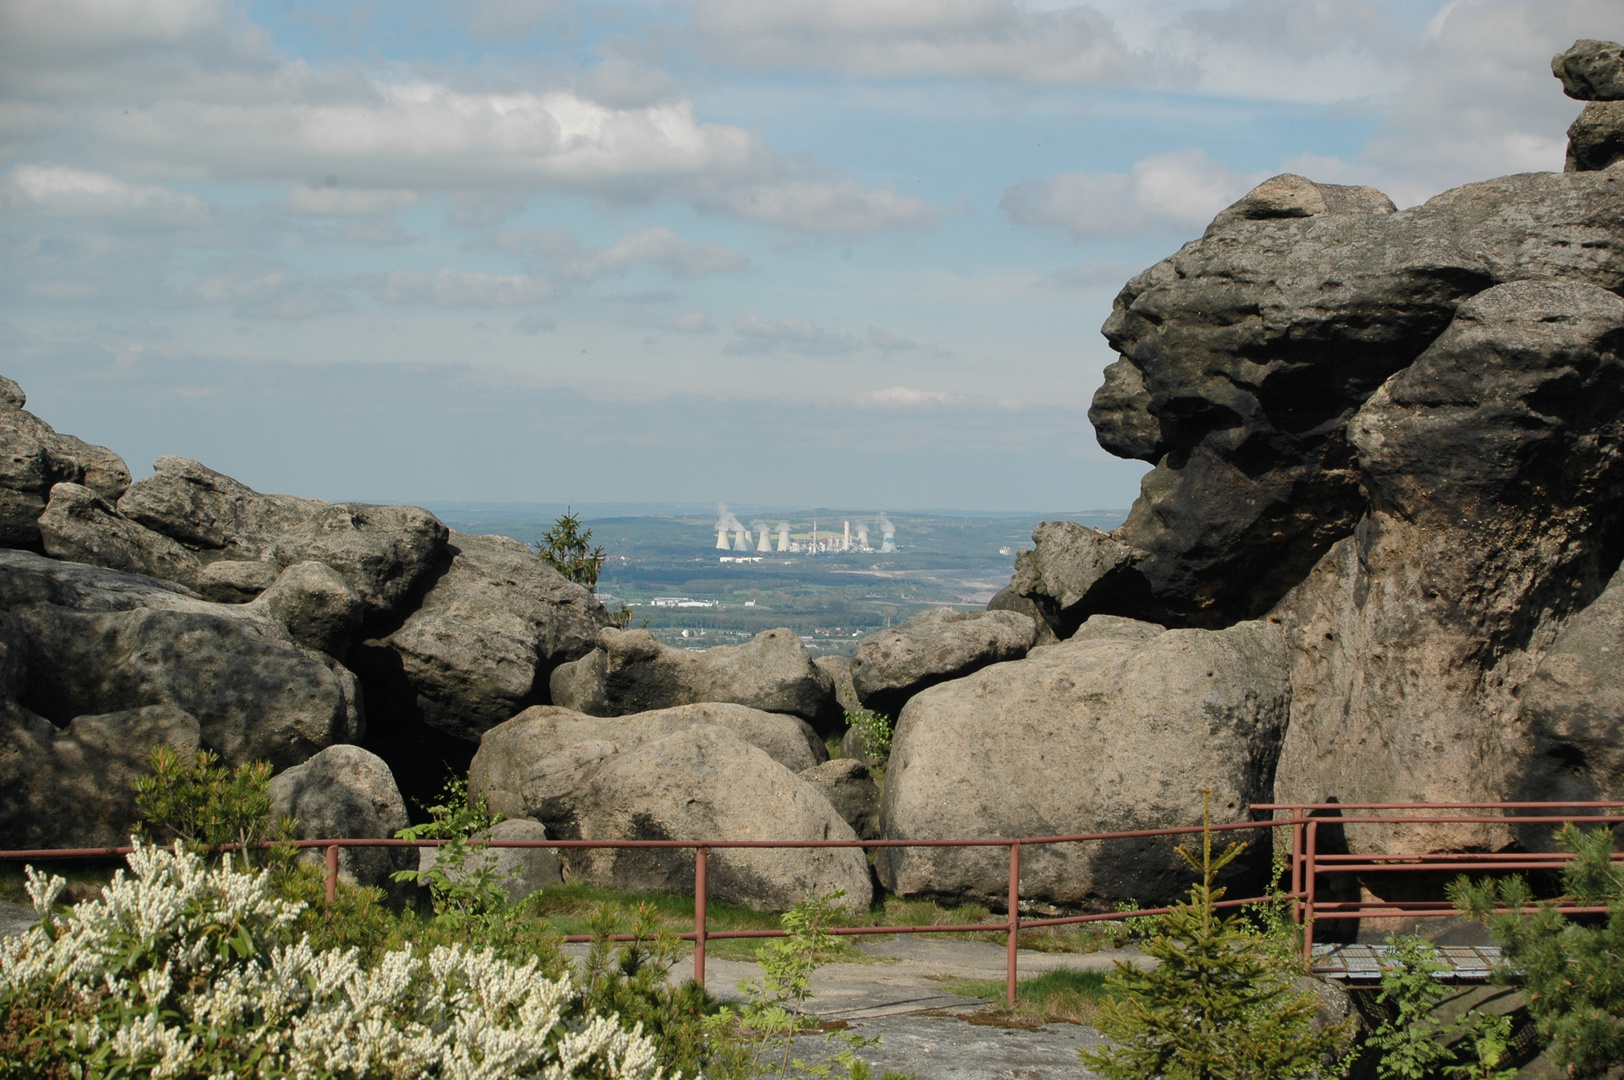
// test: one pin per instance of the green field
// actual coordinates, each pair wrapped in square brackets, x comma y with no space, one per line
[831,599]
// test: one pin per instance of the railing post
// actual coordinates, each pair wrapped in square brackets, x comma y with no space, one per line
[332,872]
[1311,845]
[700,859]
[1014,918]
[1296,867]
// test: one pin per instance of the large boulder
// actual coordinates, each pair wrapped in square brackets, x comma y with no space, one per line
[1245,355]
[838,668]
[846,783]
[1591,70]
[211,513]
[1120,728]
[314,605]
[80,526]
[705,783]
[890,666]
[1496,483]
[101,641]
[1573,708]
[528,766]
[483,643]
[632,671]
[74,786]
[384,553]
[1596,138]
[343,793]
[519,871]
[34,458]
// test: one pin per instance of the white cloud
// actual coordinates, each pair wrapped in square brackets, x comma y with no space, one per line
[500,20]
[753,336]
[1180,190]
[62,290]
[59,191]
[547,241]
[659,246]
[463,288]
[826,206]
[334,201]
[1093,274]
[903,397]
[260,289]
[994,39]
[694,322]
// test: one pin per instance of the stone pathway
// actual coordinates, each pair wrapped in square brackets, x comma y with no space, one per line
[900,996]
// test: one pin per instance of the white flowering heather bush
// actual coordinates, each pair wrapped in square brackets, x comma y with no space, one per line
[182,970]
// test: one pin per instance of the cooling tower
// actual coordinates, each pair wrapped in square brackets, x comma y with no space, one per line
[783,536]
[765,543]
[741,540]
[721,539]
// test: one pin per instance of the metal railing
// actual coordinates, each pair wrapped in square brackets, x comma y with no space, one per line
[1308,864]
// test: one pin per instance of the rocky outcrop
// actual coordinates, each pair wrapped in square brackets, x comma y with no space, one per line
[1245,355]
[384,553]
[705,783]
[1596,138]
[1118,729]
[632,671]
[530,765]
[1010,598]
[80,526]
[344,792]
[314,605]
[838,668]
[846,783]
[99,641]
[488,634]
[1496,487]
[890,666]
[73,786]
[34,458]
[211,513]
[519,871]
[1591,70]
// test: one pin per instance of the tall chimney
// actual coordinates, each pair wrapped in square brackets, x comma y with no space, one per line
[845,545]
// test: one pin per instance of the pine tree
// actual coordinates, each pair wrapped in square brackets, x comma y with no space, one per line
[565,548]
[1570,973]
[1215,1006]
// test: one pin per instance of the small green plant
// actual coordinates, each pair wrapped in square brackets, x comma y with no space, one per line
[1279,932]
[566,547]
[875,730]
[773,1016]
[463,883]
[1414,1041]
[1215,1006]
[203,804]
[1132,928]
[1570,972]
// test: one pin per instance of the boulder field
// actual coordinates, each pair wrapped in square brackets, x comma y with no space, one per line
[1376,558]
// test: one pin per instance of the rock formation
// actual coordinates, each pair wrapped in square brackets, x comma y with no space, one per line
[345,792]
[632,671]
[519,871]
[891,666]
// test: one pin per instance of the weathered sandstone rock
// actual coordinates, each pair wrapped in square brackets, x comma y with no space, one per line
[1596,138]
[344,792]
[1009,598]
[80,526]
[383,552]
[100,641]
[212,513]
[315,606]
[631,671]
[1245,354]
[34,458]
[521,871]
[1118,729]
[529,766]
[230,581]
[488,634]
[1591,70]
[1496,482]
[890,666]
[700,784]
[845,782]
[838,668]
[73,786]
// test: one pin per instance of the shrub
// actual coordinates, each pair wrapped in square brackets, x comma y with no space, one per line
[1216,1005]
[1414,1041]
[567,548]
[187,971]
[1573,982]
[199,801]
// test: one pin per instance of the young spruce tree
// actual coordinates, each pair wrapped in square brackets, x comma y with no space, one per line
[1216,1006]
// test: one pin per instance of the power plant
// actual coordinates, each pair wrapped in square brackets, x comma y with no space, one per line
[855,535]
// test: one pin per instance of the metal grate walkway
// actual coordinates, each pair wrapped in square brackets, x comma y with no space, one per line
[1363,963]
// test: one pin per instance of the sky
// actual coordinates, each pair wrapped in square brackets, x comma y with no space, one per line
[776,252]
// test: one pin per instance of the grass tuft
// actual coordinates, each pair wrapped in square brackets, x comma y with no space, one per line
[1063,995]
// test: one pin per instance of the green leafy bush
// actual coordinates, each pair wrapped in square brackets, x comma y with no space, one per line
[463,884]
[1415,1041]
[200,802]
[1570,971]
[1216,1006]
[185,970]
